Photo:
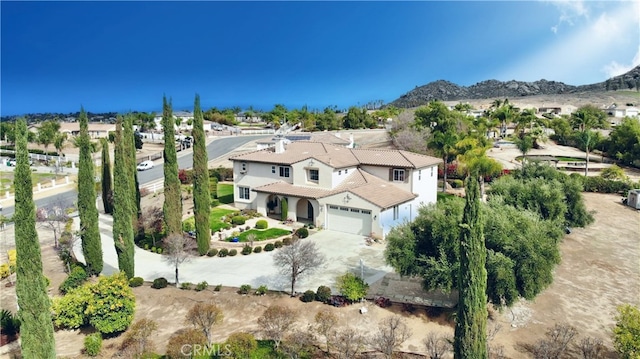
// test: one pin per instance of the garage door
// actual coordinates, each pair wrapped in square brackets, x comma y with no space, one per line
[350,220]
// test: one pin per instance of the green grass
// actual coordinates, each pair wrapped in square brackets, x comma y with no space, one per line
[225,193]
[263,234]
[570,159]
[215,218]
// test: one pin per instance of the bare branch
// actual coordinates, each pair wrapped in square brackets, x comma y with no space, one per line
[392,332]
[437,345]
[300,258]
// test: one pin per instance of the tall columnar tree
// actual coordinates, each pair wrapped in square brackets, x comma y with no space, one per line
[107,182]
[130,156]
[172,194]
[36,331]
[471,325]
[87,210]
[124,205]
[201,199]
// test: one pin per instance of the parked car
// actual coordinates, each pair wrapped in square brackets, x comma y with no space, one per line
[146,165]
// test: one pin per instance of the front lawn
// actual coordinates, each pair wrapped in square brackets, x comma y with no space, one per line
[215,221]
[225,193]
[262,234]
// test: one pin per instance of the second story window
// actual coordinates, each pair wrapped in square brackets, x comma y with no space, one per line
[243,166]
[273,169]
[314,175]
[398,175]
[285,171]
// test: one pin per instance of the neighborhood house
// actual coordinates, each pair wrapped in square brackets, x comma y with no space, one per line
[359,191]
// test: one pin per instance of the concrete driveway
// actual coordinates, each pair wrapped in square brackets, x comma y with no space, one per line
[342,250]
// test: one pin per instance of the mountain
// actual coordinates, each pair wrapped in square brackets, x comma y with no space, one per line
[447,91]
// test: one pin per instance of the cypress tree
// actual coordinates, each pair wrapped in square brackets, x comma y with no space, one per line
[201,199]
[130,151]
[36,331]
[87,210]
[172,207]
[123,209]
[470,340]
[107,185]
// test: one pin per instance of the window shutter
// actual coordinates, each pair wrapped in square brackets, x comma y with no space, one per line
[390,174]
[406,175]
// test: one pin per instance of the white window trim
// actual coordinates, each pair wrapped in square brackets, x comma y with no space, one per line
[242,190]
[398,171]
[317,175]
[285,170]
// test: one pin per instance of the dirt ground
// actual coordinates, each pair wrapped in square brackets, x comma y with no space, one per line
[599,271]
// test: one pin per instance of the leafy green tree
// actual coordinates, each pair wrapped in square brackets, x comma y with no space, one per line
[352,287]
[327,120]
[107,305]
[624,141]
[284,209]
[475,162]
[106,182]
[626,333]
[124,205]
[562,130]
[241,344]
[47,133]
[172,192]
[36,333]
[471,323]
[201,196]
[358,118]
[87,210]
[59,140]
[8,132]
[584,119]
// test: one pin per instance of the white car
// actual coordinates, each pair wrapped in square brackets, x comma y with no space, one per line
[146,165]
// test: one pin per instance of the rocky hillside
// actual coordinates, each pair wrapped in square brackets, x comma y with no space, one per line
[448,91]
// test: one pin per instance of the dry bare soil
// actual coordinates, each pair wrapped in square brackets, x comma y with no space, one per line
[599,271]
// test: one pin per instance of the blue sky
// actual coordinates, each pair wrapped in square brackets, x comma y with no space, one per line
[120,56]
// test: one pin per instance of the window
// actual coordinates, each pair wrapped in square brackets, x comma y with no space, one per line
[284,171]
[398,175]
[243,192]
[333,207]
[339,172]
[365,212]
[314,175]
[396,213]
[419,175]
[355,210]
[431,171]
[243,166]
[346,170]
[273,169]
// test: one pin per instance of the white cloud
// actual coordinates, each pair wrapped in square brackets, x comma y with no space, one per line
[605,43]
[614,68]
[570,11]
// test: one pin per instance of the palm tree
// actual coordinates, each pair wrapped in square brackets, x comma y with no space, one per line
[444,145]
[524,144]
[473,156]
[525,120]
[583,120]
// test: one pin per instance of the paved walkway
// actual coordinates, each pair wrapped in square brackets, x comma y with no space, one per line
[342,250]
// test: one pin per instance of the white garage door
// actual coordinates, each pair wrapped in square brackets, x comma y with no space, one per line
[350,220]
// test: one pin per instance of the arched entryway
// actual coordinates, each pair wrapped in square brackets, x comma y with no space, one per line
[273,206]
[304,210]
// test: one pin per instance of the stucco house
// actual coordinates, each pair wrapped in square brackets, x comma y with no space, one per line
[360,191]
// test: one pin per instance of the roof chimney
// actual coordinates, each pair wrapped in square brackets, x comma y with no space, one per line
[280,145]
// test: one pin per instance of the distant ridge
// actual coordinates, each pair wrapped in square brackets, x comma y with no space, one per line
[447,91]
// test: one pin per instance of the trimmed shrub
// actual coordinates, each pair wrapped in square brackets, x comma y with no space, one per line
[457,183]
[202,286]
[277,244]
[223,252]
[269,247]
[308,296]
[159,250]
[238,220]
[217,288]
[323,294]
[246,249]
[302,232]
[262,290]
[189,224]
[257,249]
[212,252]
[185,285]
[93,344]
[262,224]
[75,279]
[136,282]
[233,252]
[245,289]
[287,241]
[160,283]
